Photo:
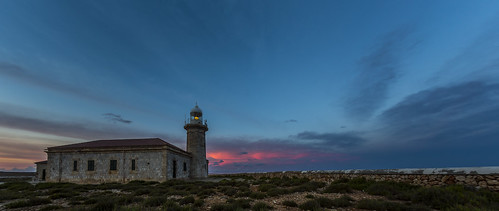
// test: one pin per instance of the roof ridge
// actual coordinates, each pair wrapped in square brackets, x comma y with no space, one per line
[105,143]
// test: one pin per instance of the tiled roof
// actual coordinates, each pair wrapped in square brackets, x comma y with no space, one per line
[143,142]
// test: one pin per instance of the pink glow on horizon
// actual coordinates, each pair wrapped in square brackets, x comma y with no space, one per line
[225,158]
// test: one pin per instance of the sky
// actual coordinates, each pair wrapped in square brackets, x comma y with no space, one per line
[284,84]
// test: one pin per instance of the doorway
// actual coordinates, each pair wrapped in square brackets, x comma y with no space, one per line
[43,174]
[174,170]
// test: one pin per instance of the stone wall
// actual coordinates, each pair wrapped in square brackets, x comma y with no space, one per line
[196,145]
[150,165]
[180,159]
[489,180]
[41,168]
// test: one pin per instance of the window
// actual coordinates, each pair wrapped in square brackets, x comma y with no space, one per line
[75,165]
[185,166]
[133,165]
[90,165]
[113,165]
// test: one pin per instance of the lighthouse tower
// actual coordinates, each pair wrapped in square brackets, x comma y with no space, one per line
[196,143]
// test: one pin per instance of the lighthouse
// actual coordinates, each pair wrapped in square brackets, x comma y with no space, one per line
[196,143]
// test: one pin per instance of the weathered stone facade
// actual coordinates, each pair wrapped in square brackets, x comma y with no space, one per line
[41,170]
[150,165]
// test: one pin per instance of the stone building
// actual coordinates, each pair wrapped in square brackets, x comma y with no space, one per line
[123,160]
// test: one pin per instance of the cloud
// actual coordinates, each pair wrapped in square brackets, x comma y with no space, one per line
[217,163]
[116,118]
[478,61]
[444,113]
[81,130]
[22,74]
[377,71]
[453,125]
[291,121]
[342,140]
[46,81]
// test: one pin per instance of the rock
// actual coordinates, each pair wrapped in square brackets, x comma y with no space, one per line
[482,184]
[493,182]
[460,178]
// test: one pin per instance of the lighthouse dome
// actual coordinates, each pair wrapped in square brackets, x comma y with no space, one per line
[196,109]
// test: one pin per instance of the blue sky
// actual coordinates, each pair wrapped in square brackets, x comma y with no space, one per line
[284,85]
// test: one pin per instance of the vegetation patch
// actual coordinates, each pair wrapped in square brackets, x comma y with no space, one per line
[51,207]
[310,205]
[371,204]
[289,203]
[338,188]
[261,206]
[243,194]
[155,201]
[28,203]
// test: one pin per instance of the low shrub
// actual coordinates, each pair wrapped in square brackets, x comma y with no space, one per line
[289,203]
[229,191]
[338,188]
[223,207]
[310,205]
[343,201]
[261,206]
[62,195]
[341,180]
[51,207]
[171,206]
[90,201]
[17,186]
[206,192]
[309,196]
[142,191]
[277,191]
[359,183]
[105,205]
[257,195]
[372,204]
[77,200]
[198,202]
[392,190]
[240,203]
[109,186]
[243,194]
[325,202]
[9,195]
[187,200]
[154,201]
[266,187]
[28,203]
[128,199]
